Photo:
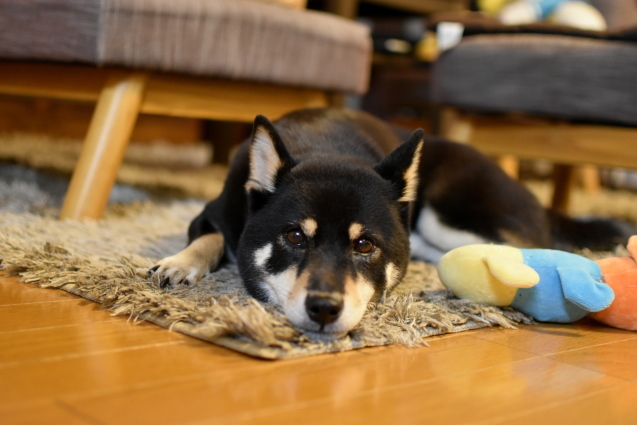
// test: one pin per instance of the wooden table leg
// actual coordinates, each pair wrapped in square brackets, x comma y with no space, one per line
[591,180]
[563,180]
[510,164]
[345,8]
[103,150]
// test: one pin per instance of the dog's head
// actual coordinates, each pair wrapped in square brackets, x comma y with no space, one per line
[324,238]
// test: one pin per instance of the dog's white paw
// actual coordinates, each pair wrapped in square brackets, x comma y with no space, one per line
[179,269]
[188,266]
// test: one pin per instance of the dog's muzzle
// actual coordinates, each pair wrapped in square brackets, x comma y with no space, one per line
[323,308]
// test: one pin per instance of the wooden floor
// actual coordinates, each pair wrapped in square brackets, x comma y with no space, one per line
[64,360]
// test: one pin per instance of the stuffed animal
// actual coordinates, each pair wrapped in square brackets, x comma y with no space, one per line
[620,273]
[488,274]
[574,13]
[492,7]
[549,285]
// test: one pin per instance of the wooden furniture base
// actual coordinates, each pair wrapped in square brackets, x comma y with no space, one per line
[349,8]
[570,145]
[69,120]
[122,94]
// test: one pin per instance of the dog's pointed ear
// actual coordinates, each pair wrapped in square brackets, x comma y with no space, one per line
[268,157]
[401,168]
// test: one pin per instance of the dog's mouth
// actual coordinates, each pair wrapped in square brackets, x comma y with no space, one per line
[328,332]
[325,335]
[323,332]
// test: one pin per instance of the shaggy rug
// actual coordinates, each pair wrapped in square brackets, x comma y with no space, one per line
[107,261]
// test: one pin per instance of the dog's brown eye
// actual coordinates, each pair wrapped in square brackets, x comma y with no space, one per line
[295,236]
[363,246]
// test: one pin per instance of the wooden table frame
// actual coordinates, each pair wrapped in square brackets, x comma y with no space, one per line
[121,95]
[349,8]
[568,145]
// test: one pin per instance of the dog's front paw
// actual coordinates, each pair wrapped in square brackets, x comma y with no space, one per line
[177,269]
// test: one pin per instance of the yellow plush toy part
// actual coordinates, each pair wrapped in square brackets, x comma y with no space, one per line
[489,274]
[492,7]
[573,13]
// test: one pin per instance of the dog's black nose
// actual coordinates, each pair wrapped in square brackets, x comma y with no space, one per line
[324,308]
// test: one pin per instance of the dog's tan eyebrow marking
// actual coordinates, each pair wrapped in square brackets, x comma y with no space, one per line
[355,230]
[309,226]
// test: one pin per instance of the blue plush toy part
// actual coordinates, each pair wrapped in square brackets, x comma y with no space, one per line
[545,7]
[570,287]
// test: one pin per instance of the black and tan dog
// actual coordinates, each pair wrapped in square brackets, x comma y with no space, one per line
[320,209]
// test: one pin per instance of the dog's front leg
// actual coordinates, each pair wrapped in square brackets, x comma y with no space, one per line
[188,266]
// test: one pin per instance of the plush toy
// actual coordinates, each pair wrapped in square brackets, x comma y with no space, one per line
[549,285]
[492,7]
[620,273]
[574,13]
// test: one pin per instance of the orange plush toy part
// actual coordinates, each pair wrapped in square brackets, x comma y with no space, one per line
[621,275]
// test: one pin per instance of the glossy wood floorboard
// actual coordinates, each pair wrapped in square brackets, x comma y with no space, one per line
[64,360]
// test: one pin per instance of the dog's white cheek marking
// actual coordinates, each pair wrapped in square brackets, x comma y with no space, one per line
[441,236]
[355,230]
[294,306]
[262,255]
[392,276]
[358,293]
[201,256]
[264,162]
[309,226]
[281,285]
[410,193]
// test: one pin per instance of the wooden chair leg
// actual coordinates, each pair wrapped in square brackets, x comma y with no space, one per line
[563,180]
[336,100]
[103,150]
[345,8]
[510,165]
[591,181]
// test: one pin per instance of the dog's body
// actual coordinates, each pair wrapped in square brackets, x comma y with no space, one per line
[318,209]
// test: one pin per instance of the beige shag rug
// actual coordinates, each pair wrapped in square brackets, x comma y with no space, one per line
[107,261]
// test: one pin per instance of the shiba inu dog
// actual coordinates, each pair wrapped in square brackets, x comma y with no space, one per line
[320,208]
